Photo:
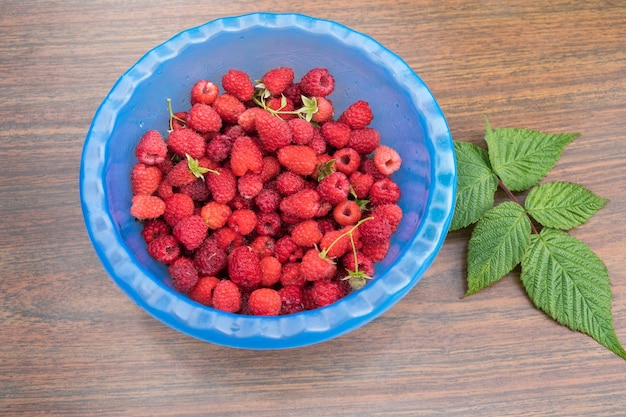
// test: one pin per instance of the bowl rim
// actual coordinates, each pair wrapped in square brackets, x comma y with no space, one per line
[279,332]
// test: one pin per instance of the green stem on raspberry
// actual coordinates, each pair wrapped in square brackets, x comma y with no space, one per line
[196,169]
[172,115]
[305,112]
[324,253]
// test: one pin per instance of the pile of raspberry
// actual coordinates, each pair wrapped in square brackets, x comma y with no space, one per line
[260,201]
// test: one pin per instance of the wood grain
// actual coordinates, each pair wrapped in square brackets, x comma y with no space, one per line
[74,345]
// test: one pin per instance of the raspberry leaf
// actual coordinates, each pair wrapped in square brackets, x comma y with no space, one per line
[497,245]
[562,205]
[565,279]
[522,157]
[476,184]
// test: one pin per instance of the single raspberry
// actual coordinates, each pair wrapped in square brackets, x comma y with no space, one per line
[268,223]
[238,84]
[223,186]
[247,119]
[294,93]
[368,166]
[326,225]
[244,268]
[314,267]
[271,270]
[325,293]
[145,206]
[228,107]
[290,275]
[249,185]
[277,79]
[347,160]
[184,142]
[265,302]
[318,143]
[238,202]
[243,221]
[358,115]
[325,110]
[384,191]
[365,140]
[301,131]
[165,190]
[180,174]
[304,204]
[347,213]
[299,159]
[164,249]
[145,179]
[334,188]
[291,296]
[264,246]
[274,132]
[387,160]
[234,131]
[215,214]
[337,134]
[324,210]
[375,251]
[190,231]
[151,149]
[177,207]
[219,148]
[376,230]
[267,200]
[227,238]
[153,228]
[204,119]
[271,168]
[204,91]
[210,258]
[227,296]
[202,292]
[196,190]
[287,250]
[391,212]
[288,183]
[245,156]
[363,263]
[183,274]
[317,82]
[306,233]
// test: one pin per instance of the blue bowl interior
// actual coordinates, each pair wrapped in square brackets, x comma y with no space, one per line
[405,113]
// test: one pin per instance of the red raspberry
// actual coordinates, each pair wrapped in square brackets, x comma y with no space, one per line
[239,202]
[267,200]
[376,230]
[358,115]
[294,93]
[210,258]
[146,207]
[265,302]
[318,143]
[264,246]
[314,267]
[223,186]
[177,207]
[274,132]
[246,156]
[306,233]
[299,159]
[364,264]
[227,238]
[375,251]
[301,131]
[336,134]
[325,110]
[244,268]
[228,107]
[387,160]
[325,293]
[334,188]
[215,214]
[249,185]
[247,119]
[347,213]
[271,168]
[347,160]
[287,250]
[336,243]
[242,221]
[190,231]
[288,183]
[219,148]
[202,292]
[151,149]
[180,174]
[391,212]
[204,119]
[183,274]
[290,275]
[268,223]
[317,82]
[227,296]
[277,79]
[196,190]
[271,269]
[165,190]
[184,142]
[238,84]
[154,228]
[164,249]
[179,121]
[204,91]
[144,179]
[307,299]
[384,191]
[364,141]
[291,296]
[304,204]
[234,131]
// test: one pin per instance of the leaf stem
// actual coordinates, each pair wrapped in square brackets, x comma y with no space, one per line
[515,200]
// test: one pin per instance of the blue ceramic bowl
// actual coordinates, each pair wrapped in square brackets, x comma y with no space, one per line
[405,113]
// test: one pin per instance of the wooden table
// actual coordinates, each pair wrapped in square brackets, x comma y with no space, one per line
[73,345]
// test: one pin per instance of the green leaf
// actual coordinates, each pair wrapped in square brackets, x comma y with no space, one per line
[497,245]
[476,184]
[522,157]
[562,205]
[565,279]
